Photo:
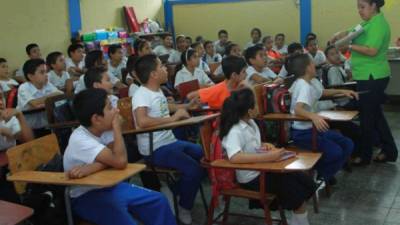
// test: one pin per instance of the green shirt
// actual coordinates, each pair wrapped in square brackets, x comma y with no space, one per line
[376,35]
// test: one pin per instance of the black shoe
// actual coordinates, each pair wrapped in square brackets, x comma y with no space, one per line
[332,181]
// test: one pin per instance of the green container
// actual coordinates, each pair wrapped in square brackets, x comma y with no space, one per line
[88,37]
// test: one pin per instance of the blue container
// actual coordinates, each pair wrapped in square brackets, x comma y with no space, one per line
[101,35]
[112,35]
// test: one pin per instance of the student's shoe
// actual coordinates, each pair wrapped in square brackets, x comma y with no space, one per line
[299,219]
[185,216]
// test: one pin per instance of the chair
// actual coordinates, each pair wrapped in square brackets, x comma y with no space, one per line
[206,132]
[125,108]
[171,69]
[13,214]
[185,88]
[123,92]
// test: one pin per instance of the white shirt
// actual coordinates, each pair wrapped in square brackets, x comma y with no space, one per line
[266,73]
[14,126]
[184,75]
[308,94]
[216,58]
[116,71]
[83,148]
[219,70]
[28,92]
[69,63]
[204,66]
[251,44]
[5,84]
[283,50]
[162,50]
[283,73]
[58,81]
[20,72]
[157,107]
[175,57]
[243,137]
[132,89]
[218,48]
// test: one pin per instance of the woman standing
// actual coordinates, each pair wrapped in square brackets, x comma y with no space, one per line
[371,71]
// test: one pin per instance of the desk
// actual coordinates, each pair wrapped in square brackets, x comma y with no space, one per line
[32,111]
[303,161]
[104,178]
[330,114]
[11,213]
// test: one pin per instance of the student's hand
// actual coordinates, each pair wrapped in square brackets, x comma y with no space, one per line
[351,94]
[320,123]
[276,154]
[78,172]
[117,120]
[4,131]
[268,146]
[194,103]
[8,113]
[181,114]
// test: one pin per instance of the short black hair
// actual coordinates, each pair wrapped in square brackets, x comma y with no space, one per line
[280,35]
[266,38]
[73,48]
[189,38]
[207,43]
[222,32]
[199,39]
[3,60]
[181,36]
[232,64]
[144,66]
[309,40]
[297,64]
[92,58]
[29,47]
[93,75]
[52,58]
[293,47]
[89,102]
[31,65]
[166,35]
[229,47]
[379,3]
[330,47]
[195,44]
[256,30]
[311,35]
[251,53]
[113,49]
[139,44]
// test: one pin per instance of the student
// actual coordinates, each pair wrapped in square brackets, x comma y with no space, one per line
[198,47]
[33,93]
[335,75]
[231,49]
[211,56]
[235,75]
[189,41]
[141,47]
[116,62]
[98,77]
[275,59]
[280,44]
[167,47]
[190,71]
[150,108]
[95,58]
[13,126]
[311,35]
[90,151]
[255,38]
[294,48]
[200,39]
[242,141]
[57,74]
[336,149]
[181,46]
[316,55]
[258,72]
[33,52]
[75,62]
[222,41]
[6,83]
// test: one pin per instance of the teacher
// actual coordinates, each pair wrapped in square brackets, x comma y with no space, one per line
[371,71]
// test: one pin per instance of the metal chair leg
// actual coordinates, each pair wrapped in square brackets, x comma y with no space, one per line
[70,218]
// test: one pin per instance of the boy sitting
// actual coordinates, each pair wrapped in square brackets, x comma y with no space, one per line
[57,74]
[150,108]
[33,52]
[90,151]
[33,93]
[75,63]
[6,83]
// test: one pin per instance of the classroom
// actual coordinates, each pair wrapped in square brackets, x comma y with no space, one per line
[192,112]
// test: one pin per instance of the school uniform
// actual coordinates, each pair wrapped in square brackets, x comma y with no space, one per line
[15,128]
[204,66]
[132,89]
[28,92]
[20,72]
[162,50]
[117,71]
[292,189]
[265,73]
[6,85]
[335,148]
[184,75]
[112,205]
[58,81]
[283,50]
[69,63]
[252,44]
[216,58]
[175,57]
[220,49]
[169,152]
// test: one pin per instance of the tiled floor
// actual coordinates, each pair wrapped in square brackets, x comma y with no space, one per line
[368,196]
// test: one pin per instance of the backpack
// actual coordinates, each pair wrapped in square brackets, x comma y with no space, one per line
[325,72]
[12,98]
[277,100]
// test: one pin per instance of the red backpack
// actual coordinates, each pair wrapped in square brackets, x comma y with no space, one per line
[277,100]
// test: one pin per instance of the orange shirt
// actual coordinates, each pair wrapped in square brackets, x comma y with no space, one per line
[274,55]
[215,95]
[347,54]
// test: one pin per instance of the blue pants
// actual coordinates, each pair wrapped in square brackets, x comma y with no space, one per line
[336,149]
[184,157]
[117,205]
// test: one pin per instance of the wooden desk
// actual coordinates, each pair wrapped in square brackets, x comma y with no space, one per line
[330,114]
[304,161]
[191,121]
[32,111]
[104,178]
[11,213]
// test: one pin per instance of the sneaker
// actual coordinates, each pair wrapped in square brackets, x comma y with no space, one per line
[170,197]
[185,216]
